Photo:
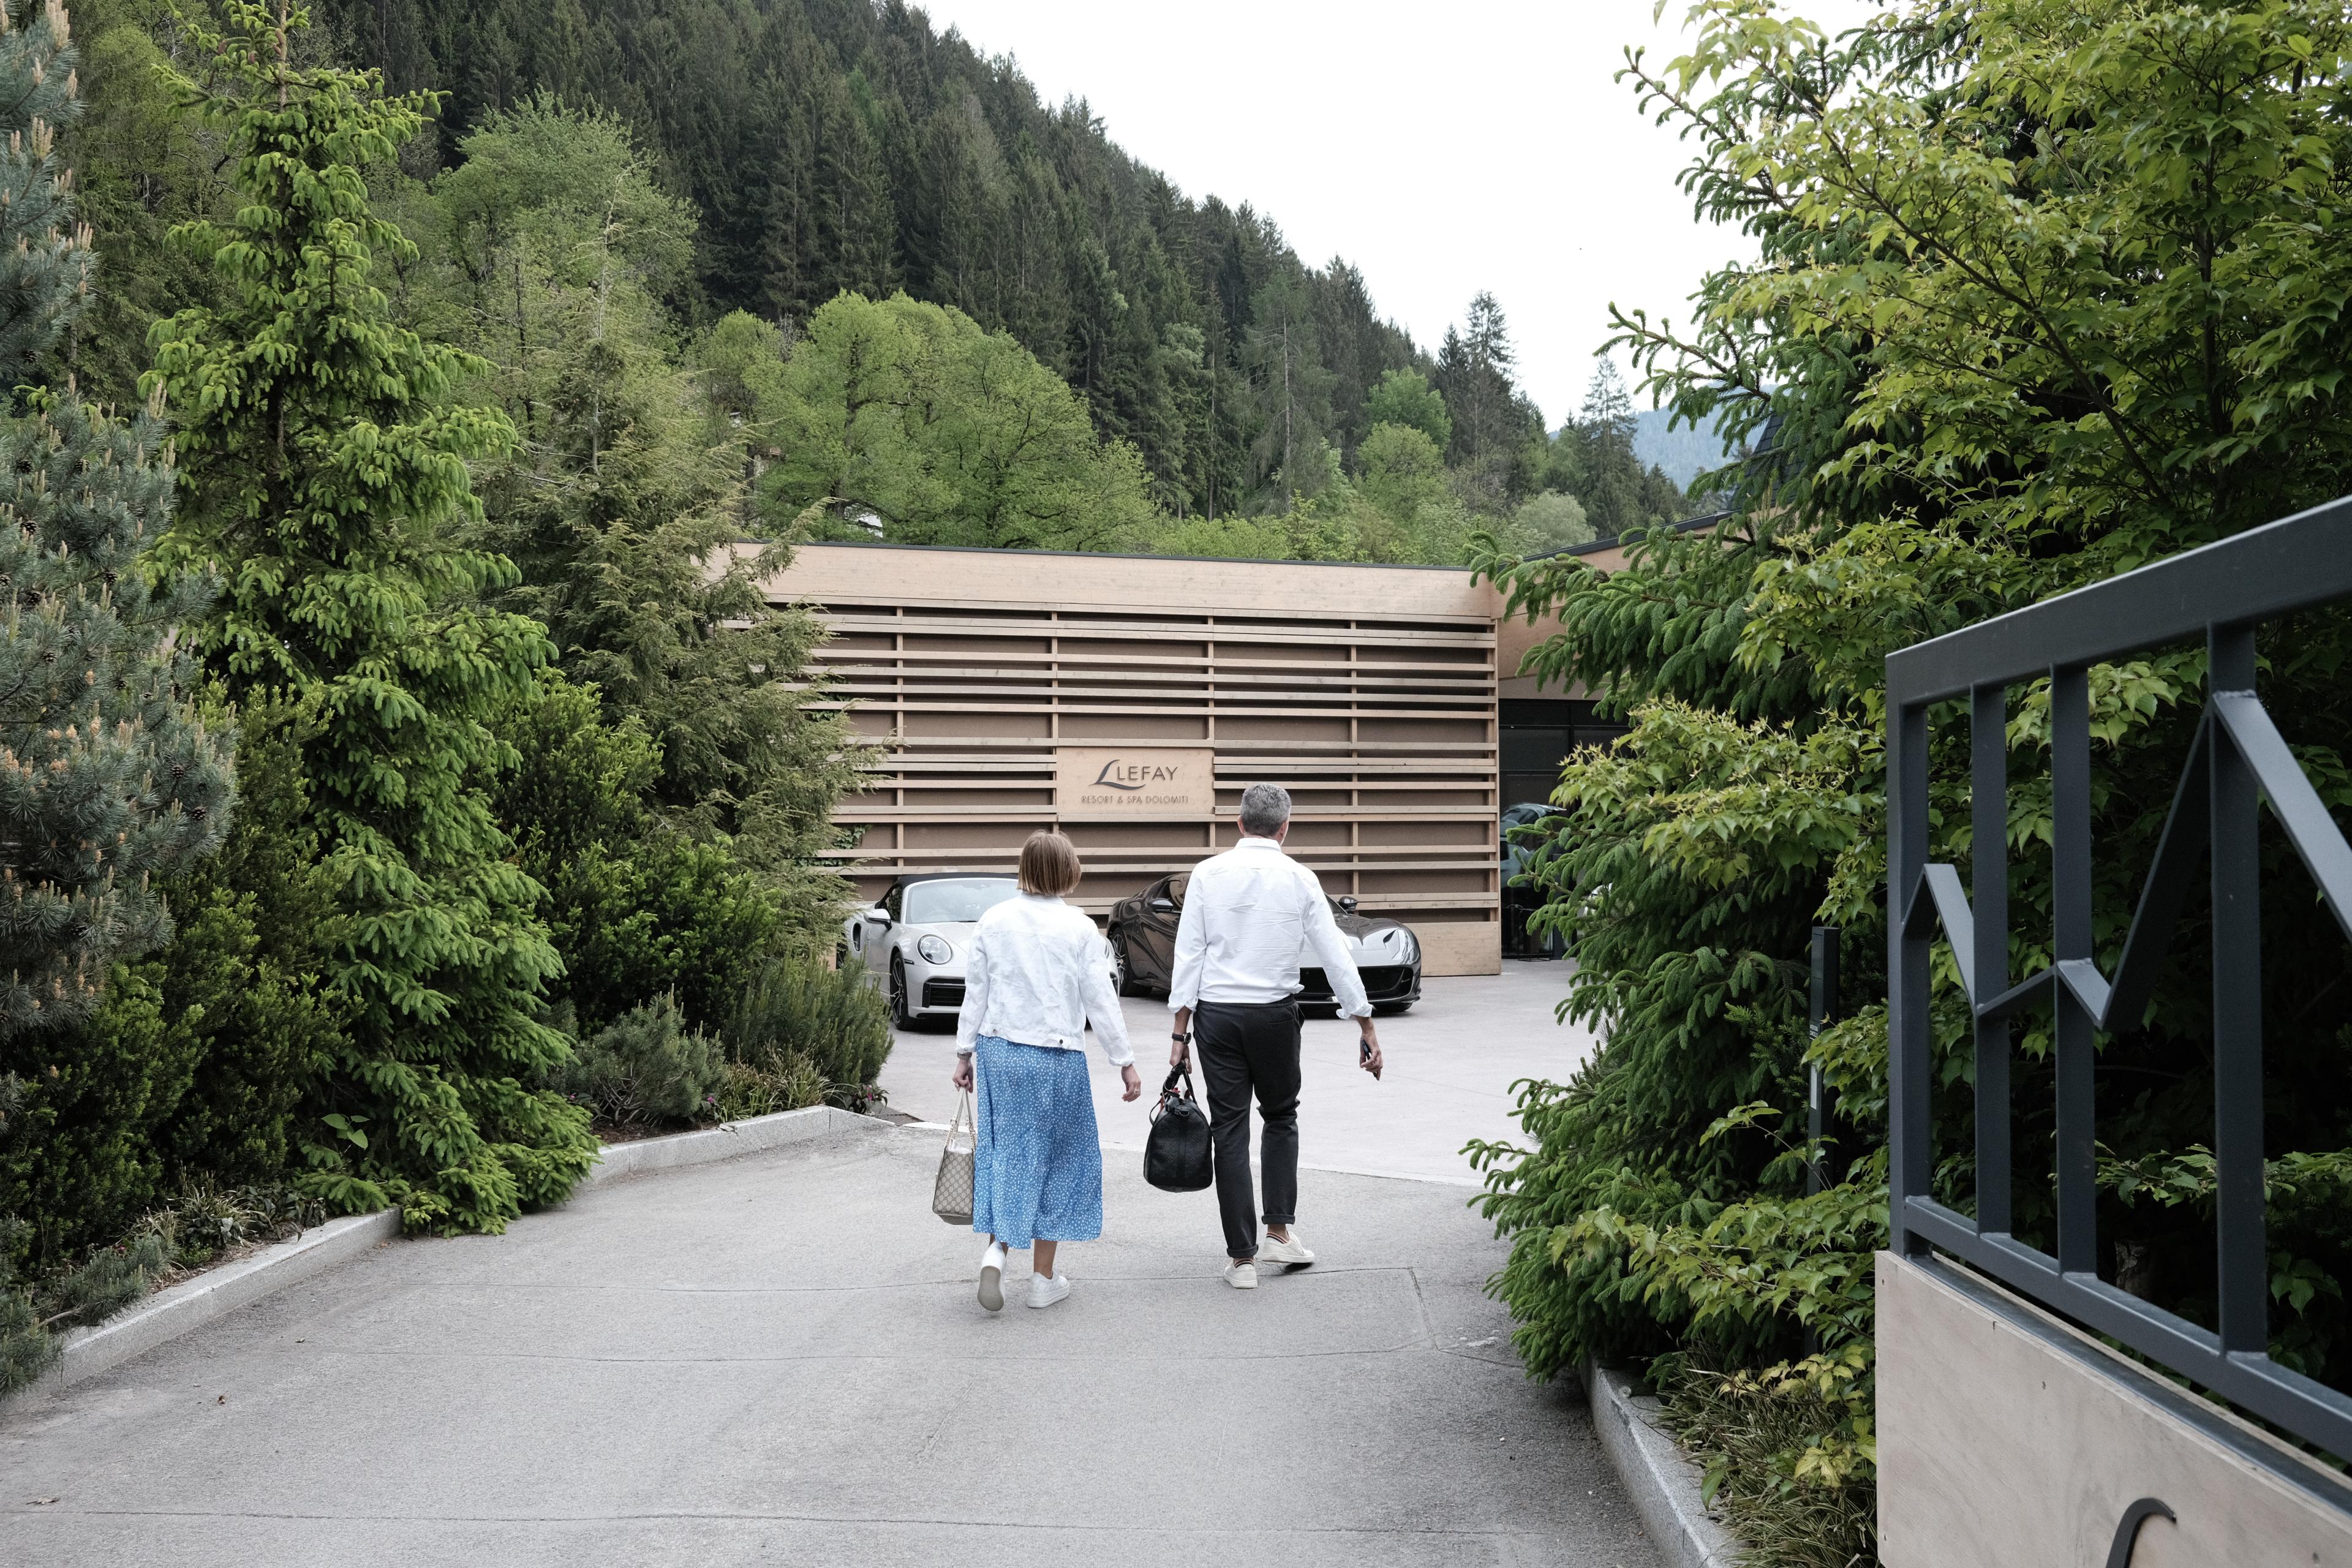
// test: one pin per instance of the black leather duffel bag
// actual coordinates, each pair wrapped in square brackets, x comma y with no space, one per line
[1176,1155]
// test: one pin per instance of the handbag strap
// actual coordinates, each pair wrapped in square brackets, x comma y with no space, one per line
[1168,1090]
[964,1121]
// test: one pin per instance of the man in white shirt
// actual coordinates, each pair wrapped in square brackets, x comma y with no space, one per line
[1247,914]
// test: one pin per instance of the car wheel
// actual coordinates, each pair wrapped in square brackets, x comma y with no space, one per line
[899,1018]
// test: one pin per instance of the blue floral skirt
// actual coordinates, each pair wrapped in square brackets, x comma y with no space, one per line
[1037,1175]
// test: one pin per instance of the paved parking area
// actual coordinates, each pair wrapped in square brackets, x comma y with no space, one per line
[1451,1063]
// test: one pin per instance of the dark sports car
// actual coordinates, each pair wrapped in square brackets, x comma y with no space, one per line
[1143,941]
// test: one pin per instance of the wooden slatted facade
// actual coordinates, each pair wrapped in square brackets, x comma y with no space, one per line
[1369,692]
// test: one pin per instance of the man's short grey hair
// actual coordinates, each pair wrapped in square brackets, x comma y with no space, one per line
[1265,809]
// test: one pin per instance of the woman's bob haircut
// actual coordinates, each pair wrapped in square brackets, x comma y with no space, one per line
[1049,864]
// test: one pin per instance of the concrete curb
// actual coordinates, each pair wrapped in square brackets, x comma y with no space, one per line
[169,1313]
[1660,1480]
[726,1142]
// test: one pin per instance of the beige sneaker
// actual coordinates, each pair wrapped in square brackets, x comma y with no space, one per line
[1241,1275]
[1293,1253]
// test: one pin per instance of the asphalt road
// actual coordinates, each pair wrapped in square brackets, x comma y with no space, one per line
[1451,1063]
[779,1360]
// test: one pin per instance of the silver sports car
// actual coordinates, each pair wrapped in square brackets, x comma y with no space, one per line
[915,941]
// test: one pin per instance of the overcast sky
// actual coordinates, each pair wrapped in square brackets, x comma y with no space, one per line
[1441,148]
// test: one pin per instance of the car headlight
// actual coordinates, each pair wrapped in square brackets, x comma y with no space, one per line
[1407,948]
[935,950]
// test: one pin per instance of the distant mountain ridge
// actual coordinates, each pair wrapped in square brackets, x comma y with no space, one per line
[1682,453]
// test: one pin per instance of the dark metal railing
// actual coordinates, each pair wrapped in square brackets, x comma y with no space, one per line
[2236,762]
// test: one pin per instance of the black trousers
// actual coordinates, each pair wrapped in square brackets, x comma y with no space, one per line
[1251,1049]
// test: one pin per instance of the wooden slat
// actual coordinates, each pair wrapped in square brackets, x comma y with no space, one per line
[1078,645]
[1224,680]
[838,658]
[866,816]
[1203,707]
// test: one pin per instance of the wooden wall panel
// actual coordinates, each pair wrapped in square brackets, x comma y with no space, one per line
[1368,692]
[2009,1440]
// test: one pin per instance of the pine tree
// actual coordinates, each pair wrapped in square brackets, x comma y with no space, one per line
[1474,373]
[324,467]
[107,778]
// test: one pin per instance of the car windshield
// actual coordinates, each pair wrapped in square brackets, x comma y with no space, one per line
[948,903]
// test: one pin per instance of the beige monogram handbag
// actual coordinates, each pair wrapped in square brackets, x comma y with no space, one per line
[952,1192]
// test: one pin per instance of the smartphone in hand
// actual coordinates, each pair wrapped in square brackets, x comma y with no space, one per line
[1364,1059]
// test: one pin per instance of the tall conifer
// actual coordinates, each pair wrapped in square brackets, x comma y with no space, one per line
[324,467]
[107,778]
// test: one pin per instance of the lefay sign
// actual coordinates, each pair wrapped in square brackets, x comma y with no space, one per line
[1101,782]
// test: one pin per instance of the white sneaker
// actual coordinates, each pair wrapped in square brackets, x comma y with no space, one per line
[1293,1252]
[1241,1275]
[991,1277]
[1044,1291]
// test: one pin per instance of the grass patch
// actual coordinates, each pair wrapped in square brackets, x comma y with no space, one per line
[1784,1466]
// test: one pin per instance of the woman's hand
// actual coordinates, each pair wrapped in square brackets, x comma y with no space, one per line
[962,1078]
[1134,1081]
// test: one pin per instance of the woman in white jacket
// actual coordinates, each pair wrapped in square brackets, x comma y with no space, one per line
[1037,973]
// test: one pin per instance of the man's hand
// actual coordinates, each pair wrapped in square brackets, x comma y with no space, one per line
[1179,1046]
[1134,1081]
[1369,1060]
[962,1078]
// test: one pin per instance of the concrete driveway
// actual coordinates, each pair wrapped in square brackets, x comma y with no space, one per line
[778,1360]
[1450,1065]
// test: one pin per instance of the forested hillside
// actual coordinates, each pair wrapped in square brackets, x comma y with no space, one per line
[809,150]
[826,146]
[831,145]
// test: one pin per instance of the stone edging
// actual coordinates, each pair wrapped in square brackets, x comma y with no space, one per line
[169,1313]
[1660,1480]
[173,1311]
[724,1141]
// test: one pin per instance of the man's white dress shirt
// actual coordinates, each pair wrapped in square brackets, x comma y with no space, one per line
[1248,914]
[1035,973]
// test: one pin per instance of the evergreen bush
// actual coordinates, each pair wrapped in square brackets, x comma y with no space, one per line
[647,1066]
[245,985]
[832,1019]
[636,904]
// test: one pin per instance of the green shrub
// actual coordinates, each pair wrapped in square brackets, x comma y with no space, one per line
[1926,466]
[635,906]
[83,1159]
[1755,1434]
[32,1310]
[746,1091]
[193,1067]
[832,1017]
[26,1348]
[242,982]
[202,1220]
[647,1066]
